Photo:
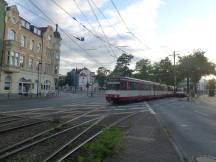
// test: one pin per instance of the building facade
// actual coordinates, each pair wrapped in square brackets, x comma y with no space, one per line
[31,55]
[82,79]
[3,6]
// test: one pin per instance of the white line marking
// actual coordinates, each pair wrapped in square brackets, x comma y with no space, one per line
[150,109]
[201,113]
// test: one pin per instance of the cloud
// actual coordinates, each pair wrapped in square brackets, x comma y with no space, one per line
[140,16]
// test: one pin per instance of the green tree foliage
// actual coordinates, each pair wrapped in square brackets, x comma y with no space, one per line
[122,66]
[143,69]
[102,74]
[212,84]
[163,72]
[195,66]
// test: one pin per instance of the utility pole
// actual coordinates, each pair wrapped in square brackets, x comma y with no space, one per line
[174,69]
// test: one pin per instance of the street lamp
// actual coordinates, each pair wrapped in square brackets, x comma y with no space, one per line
[38,78]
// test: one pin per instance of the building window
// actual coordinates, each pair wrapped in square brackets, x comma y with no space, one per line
[11,35]
[56,69]
[23,41]
[16,59]
[8,83]
[14,20]
[38,47]
[32,44]
[21,61]
[11,57]
[30,63]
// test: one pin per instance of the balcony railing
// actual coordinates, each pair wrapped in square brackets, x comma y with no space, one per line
[10,68]
[12,43]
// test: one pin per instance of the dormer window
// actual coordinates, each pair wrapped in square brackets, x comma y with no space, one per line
[25,24]
[37,31]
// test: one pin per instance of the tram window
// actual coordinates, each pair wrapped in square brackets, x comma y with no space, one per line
[133,86]
[129,86]
[123,85]
[113,86]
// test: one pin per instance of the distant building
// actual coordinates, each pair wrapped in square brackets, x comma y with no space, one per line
[31,55]
[82,79]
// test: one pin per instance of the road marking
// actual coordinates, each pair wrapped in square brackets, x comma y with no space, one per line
[184,125]
[201,113]
[150,109]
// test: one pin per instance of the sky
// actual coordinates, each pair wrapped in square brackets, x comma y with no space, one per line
[150,29]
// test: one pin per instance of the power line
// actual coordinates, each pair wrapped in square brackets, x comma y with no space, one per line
[63,31]
[96,36]
[80,10]
[98,21]
[125,24]
[58,5]
[106,18]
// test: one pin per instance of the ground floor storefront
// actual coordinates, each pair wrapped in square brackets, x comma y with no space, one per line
[26,83]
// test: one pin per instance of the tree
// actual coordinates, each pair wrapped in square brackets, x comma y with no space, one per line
[143,69]
[122,66]
[102,74]
[162,72]
[211,86]
[194,66]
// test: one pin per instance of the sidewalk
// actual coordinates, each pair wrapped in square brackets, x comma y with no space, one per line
[145,141]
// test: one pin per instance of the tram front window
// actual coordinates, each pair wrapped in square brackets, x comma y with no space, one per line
[113,86]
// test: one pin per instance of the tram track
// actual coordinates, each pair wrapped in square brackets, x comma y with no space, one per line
[71,122]
[66,152]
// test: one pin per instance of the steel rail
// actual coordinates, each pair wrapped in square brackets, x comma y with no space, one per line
[91,126]
[6,152]
[52,157]
[42,133]
[21,126]
[90,138]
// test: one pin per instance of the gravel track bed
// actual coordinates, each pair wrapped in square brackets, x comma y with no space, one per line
[12,137]
[40,151]
[19,123]
[104,123]
[11,119]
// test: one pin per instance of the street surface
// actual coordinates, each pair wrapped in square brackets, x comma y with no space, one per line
[191,124]
[144,139]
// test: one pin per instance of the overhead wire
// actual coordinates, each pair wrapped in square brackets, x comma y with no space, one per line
[98,21]
[96,36]
[65,33]
[125,24]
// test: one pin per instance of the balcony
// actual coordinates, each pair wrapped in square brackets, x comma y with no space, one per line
[12,44]
[10,68]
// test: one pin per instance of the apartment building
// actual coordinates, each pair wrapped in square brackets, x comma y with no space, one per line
[3,6]
[31,55]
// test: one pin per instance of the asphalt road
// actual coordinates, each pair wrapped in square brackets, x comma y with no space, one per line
[66,99]
[192,124]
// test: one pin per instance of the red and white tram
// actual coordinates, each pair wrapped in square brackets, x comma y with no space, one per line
[125,89]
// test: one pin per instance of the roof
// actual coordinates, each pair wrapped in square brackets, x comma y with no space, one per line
[43,29]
